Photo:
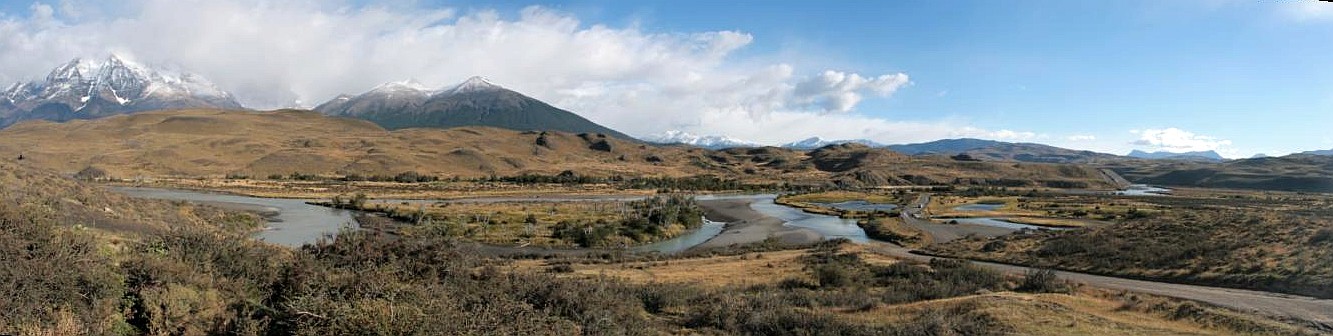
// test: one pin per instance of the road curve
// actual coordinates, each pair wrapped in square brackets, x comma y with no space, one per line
[1317,312]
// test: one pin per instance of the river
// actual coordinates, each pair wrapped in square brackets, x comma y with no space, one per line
[296,223]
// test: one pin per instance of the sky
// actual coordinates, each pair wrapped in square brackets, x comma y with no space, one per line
[1239,77]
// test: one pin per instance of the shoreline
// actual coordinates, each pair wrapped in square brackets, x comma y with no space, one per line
[745,226]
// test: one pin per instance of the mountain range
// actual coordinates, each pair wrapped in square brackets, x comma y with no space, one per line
[475,102]
[1326,152]
[88,89]
[817,142]
[1200,155]
[701,141]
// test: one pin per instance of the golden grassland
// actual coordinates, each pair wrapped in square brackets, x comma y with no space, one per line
[1084,311]
[441,190]
[215,143]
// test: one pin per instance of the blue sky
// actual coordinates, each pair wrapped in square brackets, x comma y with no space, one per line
[1240,77]
[1247,71]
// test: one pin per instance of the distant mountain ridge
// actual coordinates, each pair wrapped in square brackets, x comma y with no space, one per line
[1200,155]
[1325,152]
[1296,172]
[702,141]
[945,146]
[991,150]
[817,142]
[475,102]
[88,89]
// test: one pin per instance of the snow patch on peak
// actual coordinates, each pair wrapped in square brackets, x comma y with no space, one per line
[817,142]
[409,85]
[475,84]
[706,141]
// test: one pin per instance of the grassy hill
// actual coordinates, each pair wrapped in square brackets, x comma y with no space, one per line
[1269,243]
[215,143]
[1309,173]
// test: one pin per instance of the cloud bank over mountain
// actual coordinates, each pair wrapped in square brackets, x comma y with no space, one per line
[300,53]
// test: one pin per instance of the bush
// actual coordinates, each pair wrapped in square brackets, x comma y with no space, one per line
[1322,236]
[1042,281]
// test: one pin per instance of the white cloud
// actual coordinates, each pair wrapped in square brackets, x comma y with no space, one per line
[272,54]
[1307,10]
[1081,137]
[1178,140]
[835,91]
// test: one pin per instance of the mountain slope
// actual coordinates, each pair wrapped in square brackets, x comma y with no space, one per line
[87,89]
[475,102]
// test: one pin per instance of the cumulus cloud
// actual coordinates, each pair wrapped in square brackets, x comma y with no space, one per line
[1081,137]
[835,91]
[1177,140]
[303,52]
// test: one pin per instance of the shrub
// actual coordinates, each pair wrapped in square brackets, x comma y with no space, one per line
[1042,281]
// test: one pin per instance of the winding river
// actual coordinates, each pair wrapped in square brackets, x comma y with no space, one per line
[292,222]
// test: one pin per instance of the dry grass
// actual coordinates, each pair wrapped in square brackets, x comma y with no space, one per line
[1047,221]
[504,222]
[721,271]
[1089,312]
[843,196]
[213,143]
[894,230]
[385,190]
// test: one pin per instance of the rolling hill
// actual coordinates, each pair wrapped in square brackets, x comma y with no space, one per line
[989,150]
[475,102]
[214,143]
[1297,172]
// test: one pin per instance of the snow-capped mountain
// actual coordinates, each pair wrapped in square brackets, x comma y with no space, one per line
[86,89]
[474,102]
[817,142]
[706,141]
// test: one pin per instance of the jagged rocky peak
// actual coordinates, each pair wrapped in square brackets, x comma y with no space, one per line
[88,88]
